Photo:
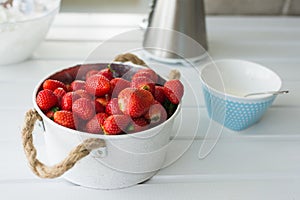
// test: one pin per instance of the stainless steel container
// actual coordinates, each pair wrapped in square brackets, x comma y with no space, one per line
[176,30]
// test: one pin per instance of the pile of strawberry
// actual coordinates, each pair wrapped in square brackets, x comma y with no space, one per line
[102,103]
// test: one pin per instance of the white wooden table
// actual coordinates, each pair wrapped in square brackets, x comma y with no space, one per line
[262,162]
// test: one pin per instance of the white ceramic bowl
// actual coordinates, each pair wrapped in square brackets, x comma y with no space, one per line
[226,82]
[126,160]
[19,39]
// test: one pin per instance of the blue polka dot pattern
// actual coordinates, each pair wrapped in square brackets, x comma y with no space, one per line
[235,115]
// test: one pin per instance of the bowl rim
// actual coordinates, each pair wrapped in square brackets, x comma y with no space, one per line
[236,97]
[90,135]
[52,11]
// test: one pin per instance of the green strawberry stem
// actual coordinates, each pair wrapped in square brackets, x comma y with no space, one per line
[113,71]
[54,109]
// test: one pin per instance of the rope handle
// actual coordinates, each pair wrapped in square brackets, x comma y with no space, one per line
[39,168]
[173,74]
[80,151]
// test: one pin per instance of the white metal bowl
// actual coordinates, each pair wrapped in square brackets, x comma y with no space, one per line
[125,161]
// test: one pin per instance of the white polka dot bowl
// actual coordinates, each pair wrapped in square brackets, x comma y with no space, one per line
[225,84]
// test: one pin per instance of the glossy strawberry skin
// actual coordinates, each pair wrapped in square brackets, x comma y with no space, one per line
[115,124]
[52,84]
[156,114]
[91,73]
[67,100]
[59,92]
[117,85]
[103,100]
[77,85]
[83,93]
[64,118]
[98,85]
[159,94]
[99,108]
[112,107]
[107,73]
[46,99]
[143,83]
[149,73]
[95,124]
[138,125]
[173,89]
[83,108]
[135,102]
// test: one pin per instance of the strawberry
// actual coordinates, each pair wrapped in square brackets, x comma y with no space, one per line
[135,102]
[94,125]
[91,73]
[107,72]
[64,118]
[115,124]
[46,99]
[173,90]
[159,94]
[156,114]
[99,108]
[103,100]
[50,113]
[143,83]
[117,85]
[77,85]
[98,85]
[69,89]
[137,125]
[84,94]
[83,108]
[52,84]
[67,100]
[59,92]
[149,73]
[112,107]
[80,124]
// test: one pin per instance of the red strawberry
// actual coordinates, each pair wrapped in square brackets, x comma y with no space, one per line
[64,118]
[156,114]
[98,85]
[99,108]
[79,123]
[159,94]
[135,102]
[50,113]
[115,124]
[149,73]
[59,92]
[143,83]
[107,73]
[77,85]
[137,125]
[95,124]
[83,108]
[67,100]
[103,100]
[112,107]
[117,85]
[91,73]
[83,94]
[173,90]
[46,99]
[52,84]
